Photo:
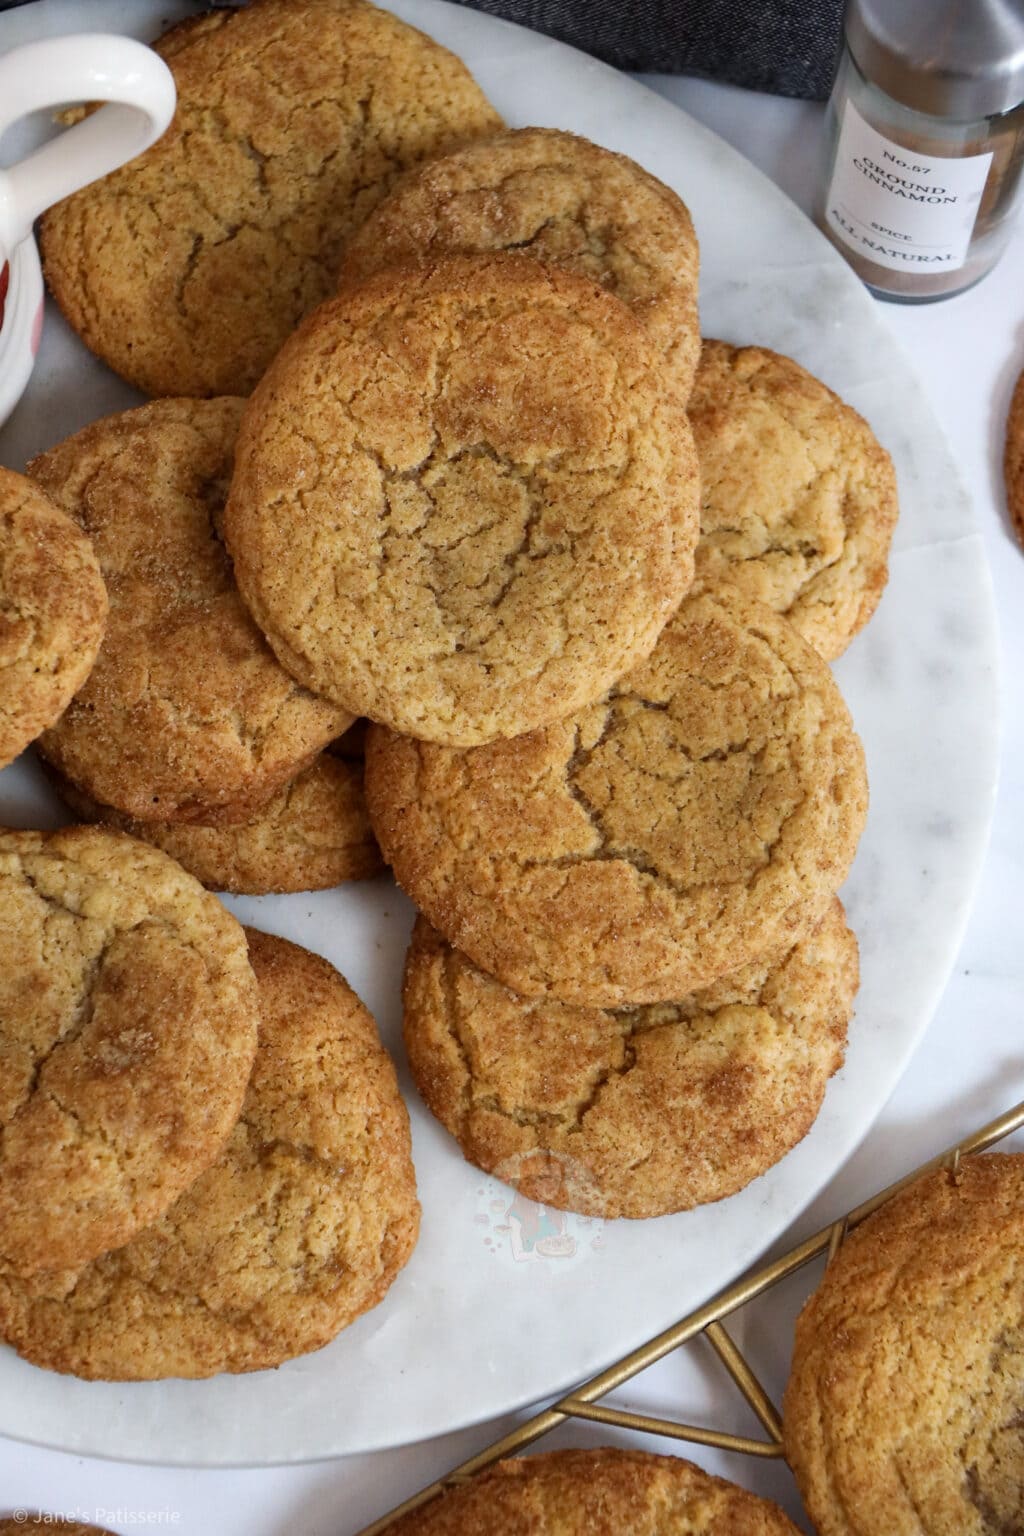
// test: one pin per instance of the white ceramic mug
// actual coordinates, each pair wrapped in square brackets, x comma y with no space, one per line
[84,67]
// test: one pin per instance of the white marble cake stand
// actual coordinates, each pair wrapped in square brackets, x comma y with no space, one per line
[467,1333]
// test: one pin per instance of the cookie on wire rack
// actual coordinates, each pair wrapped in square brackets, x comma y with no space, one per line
[593,1492]
[638,1111]
[903,1408]
[13,1525]
[300,1226]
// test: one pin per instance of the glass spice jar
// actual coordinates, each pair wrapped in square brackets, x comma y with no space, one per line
[925,146]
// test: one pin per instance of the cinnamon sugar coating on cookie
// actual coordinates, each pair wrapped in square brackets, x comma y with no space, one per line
[561,199]
[53,611]
[701,815]
[127,1032]
[1013,459]
[638,1111]
[903,1408]
[299,1227]
[25,1522]
[798,498]
[186,269]
[314,834]
[462,504]
[187,714]
[602,1492]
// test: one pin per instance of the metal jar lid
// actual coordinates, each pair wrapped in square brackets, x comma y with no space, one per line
[960,59]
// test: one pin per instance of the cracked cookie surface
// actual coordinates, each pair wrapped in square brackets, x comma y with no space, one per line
[53,611]
[186,269]
[187,714]
[462,505]
[633,1112]
[1013,459]
[559,198]
[798,498]
[299,1227]
[903,1408]
[601,1492]
[702,815]
[128,1011]
[314,834]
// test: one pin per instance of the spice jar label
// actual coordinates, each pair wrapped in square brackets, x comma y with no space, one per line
[904,210]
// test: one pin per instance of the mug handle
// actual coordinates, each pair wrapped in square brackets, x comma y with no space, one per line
[90,66]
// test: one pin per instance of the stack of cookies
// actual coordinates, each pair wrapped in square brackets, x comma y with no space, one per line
[632,959]
[631,980]
[465,506]
[437,445]
[205,1162]
[187,732]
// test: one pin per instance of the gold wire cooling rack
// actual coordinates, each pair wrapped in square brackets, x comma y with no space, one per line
[583,1401]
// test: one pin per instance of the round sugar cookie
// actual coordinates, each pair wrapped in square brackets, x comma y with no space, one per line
[187,714]
[53,611]
[300,1226]
[637,1111]
[23,1521]
[700,816]
[591,1493]
[314,834]
[462,505]
[562,199]
[127,1032]
[186,269]
[903,1408]
[798,498]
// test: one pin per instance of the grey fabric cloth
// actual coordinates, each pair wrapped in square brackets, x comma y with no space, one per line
[789,47]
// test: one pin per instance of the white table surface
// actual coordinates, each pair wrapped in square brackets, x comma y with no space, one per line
[970,1066]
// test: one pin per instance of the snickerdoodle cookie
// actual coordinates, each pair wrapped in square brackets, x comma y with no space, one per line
[903,1409]
[187,714]
[53,611]
[462,505]
[602,1492]
[700,816]
[798,498]
[186,269]
[640,1111]
[562,199]
[1013,462]
[127,1033]
[301,1226]
[18,1524]
[312,835]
